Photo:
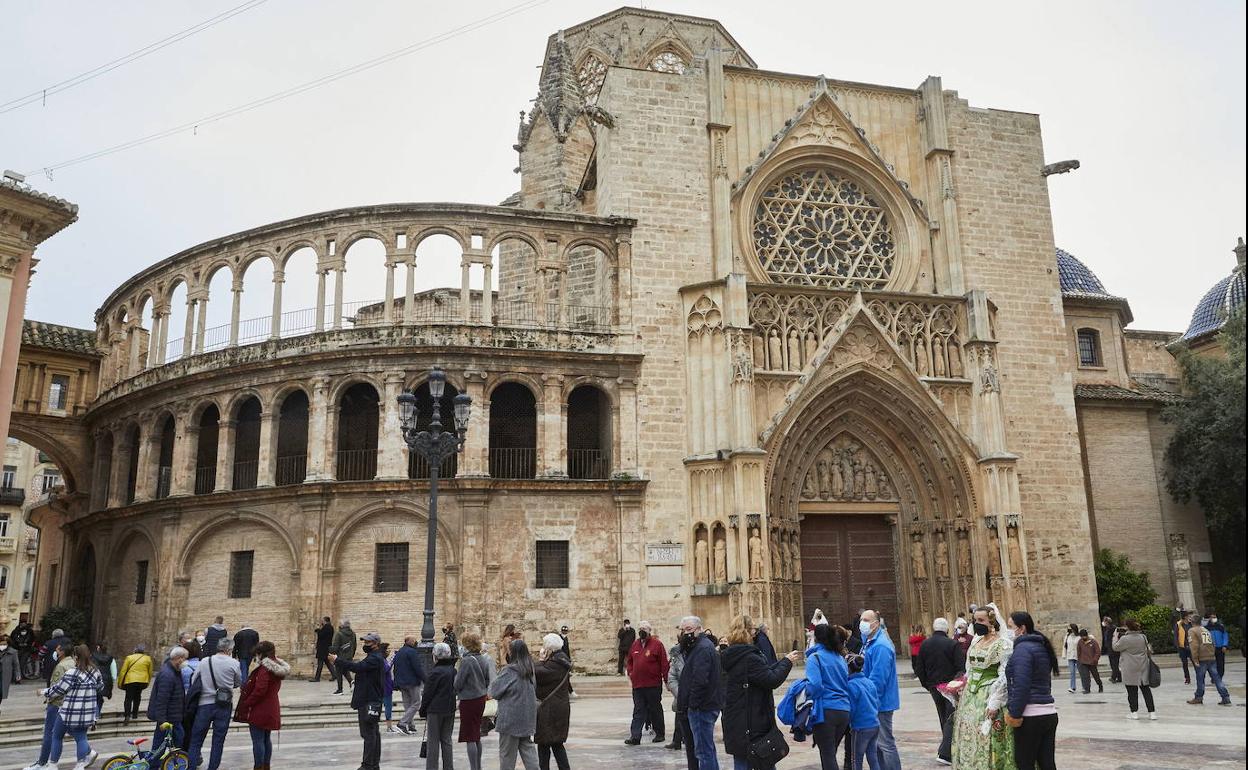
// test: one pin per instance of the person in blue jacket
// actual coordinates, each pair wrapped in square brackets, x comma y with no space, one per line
[828,676]
[881,668]
[409,677]
[864,715]
[1221,640]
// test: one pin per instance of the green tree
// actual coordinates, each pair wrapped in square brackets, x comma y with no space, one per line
[1118,587]
[1206,455]
[72,621]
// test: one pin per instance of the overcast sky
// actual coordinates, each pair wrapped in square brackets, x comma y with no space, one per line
[1149,96]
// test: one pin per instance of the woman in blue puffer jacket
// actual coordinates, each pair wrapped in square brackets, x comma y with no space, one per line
[1030,708]
[828,675]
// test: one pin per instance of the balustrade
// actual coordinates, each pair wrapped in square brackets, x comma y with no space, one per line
[291,469]
[164,481]
[418,467]
[357,464]
[588,464]
[205,480]
[246,474]
[513,463]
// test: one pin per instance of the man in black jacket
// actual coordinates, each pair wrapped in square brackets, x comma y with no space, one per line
[367,696]
[324,633]
[700,695]
[624,642]
[245,642]
[940,661]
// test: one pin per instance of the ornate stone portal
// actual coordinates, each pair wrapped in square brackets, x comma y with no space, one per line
[844,470]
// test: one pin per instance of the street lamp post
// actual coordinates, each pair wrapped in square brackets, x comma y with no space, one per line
[434,445]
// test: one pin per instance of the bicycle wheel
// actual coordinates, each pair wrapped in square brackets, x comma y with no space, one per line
[119,762]
[176,760]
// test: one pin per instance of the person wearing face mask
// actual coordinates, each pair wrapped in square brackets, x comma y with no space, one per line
[1107,647]
[367,695]
[700,694]
[881,668]
[10,667]
[647,667]
[982,740]
[1221,640]
[1070,648]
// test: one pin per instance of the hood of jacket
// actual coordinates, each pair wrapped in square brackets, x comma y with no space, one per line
[735,654]
[276,666]
[561,660]
[218,626]
[1025,639]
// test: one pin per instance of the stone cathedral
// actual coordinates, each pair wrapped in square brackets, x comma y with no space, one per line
[749,341]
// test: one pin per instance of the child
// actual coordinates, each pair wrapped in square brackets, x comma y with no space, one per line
[864,714]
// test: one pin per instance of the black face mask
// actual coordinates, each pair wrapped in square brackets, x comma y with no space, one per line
[687,640]
[981,629]
[643,634]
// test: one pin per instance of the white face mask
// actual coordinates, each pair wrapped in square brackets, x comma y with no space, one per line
[201,639]
[3,647]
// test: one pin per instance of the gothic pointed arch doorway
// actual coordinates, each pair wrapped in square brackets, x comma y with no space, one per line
[81,594]
[873,481]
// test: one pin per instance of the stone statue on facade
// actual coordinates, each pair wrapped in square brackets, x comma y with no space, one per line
[701,562]
[796,554]
[1015,550]
[994,554]
[721,560]
[918,558]
[964,554]
[942,555]
[756,555]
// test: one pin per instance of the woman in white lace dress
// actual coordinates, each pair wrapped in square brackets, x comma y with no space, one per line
[981,738]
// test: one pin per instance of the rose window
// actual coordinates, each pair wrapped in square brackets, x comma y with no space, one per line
[813,227]
[591,75]
[668,61]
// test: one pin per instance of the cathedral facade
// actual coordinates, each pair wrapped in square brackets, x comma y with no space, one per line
[744,341]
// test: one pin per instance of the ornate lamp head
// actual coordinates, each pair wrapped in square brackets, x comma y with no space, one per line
[437,384]
[463,407]
[407,411]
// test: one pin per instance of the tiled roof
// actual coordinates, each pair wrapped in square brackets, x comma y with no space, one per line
[1141,392]
[1077,280]
[56,337]
[1213,308]
[24,189]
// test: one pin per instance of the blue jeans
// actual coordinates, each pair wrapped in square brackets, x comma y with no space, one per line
[218,718]
[159,735]
[890,759]
[50,717]
[58,736]
[261,746]
[702,725]
[1073,665]
[1209,667]
[866,747]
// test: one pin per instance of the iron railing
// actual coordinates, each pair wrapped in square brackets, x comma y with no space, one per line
[291,469]
[357,464]
[205,480]
[12,495]
[588,464]
[513,463]
[246,474]
[164,481]
[418,467]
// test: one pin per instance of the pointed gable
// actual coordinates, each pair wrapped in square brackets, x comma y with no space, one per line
[821,122]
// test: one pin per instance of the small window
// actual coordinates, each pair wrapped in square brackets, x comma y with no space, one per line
[50,479]
[1089,347]
[4,578]
[390,568]
[59,392]
[4,525]
[552,563]
[9,480]
[241,565]
[140,582]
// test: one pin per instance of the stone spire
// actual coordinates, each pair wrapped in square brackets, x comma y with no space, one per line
[559,98]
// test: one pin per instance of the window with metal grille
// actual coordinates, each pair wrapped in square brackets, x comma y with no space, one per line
[1089,347]
[49,480]
[4,525]
[552,563]
[140,582]
[10,477]
[390,568]
[58,394]
[241,565]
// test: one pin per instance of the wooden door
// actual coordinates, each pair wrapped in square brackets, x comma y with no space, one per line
[848,564]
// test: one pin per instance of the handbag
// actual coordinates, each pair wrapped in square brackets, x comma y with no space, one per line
[769,748]
[224,696]
[424,744]
[1154,671]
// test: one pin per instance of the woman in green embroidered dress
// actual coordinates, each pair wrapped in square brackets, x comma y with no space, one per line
[981,738]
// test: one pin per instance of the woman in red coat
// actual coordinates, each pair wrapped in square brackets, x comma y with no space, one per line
[259,707]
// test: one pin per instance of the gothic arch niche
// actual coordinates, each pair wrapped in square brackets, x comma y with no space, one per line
[877,483]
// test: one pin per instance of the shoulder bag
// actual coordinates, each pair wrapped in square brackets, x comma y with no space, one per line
[767,749]
[1154,671]
[542,701]
[224,696]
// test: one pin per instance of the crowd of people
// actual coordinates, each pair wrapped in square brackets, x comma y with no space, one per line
[989,676]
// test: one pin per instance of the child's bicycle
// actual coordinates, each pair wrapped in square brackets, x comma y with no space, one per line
[166,756]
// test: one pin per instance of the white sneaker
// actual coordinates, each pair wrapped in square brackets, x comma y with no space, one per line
[1133,715]
[90,760]
[1152,715]
[37,766]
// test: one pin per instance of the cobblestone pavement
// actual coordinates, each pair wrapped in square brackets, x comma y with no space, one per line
[1094,732]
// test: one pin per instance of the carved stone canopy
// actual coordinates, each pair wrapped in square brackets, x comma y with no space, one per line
[844,470]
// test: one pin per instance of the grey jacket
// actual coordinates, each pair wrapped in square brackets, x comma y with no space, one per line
[1134,662]
[225,671]
[10,671]
[517,703]
[676,664]
[473,679]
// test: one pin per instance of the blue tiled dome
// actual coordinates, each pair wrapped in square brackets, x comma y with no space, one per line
[1076,279]
[1211,312]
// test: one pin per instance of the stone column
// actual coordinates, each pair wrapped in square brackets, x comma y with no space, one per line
[188,332]
[275,331]
[236,298]
[145,479]
[162,349]
[268,448]
[318,430]
[487,292]
[387,313]
[225,455]
[133,332]
[465,294]
[391,451]
[100,479]
[474,461]
[320,298]
[185,451]
[409,297]
[341,273]
[153,339]
[624,278]
[554,454]
[202,323]
[626,427]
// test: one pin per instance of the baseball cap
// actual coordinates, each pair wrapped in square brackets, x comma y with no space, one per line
[564,629]
[371,636]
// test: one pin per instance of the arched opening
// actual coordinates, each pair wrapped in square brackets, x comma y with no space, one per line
[364,292]
[103,471]
[256,303]
[299,292]
[515,279]
[589,433]
[417,466]
[173,333]
[129,592]
[220,307]
[146,331]
[82,583]
[357,433]
[513,432]
[132,456]
[247,444]
[164,458]
[436,281]
[590,298]
[206,450]
[292,439]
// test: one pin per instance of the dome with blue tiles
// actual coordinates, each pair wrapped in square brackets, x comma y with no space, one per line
[1226,296]
[1076,279]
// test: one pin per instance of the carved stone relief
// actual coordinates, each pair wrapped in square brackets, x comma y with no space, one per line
[756,555]
[701,558]
[844,470]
